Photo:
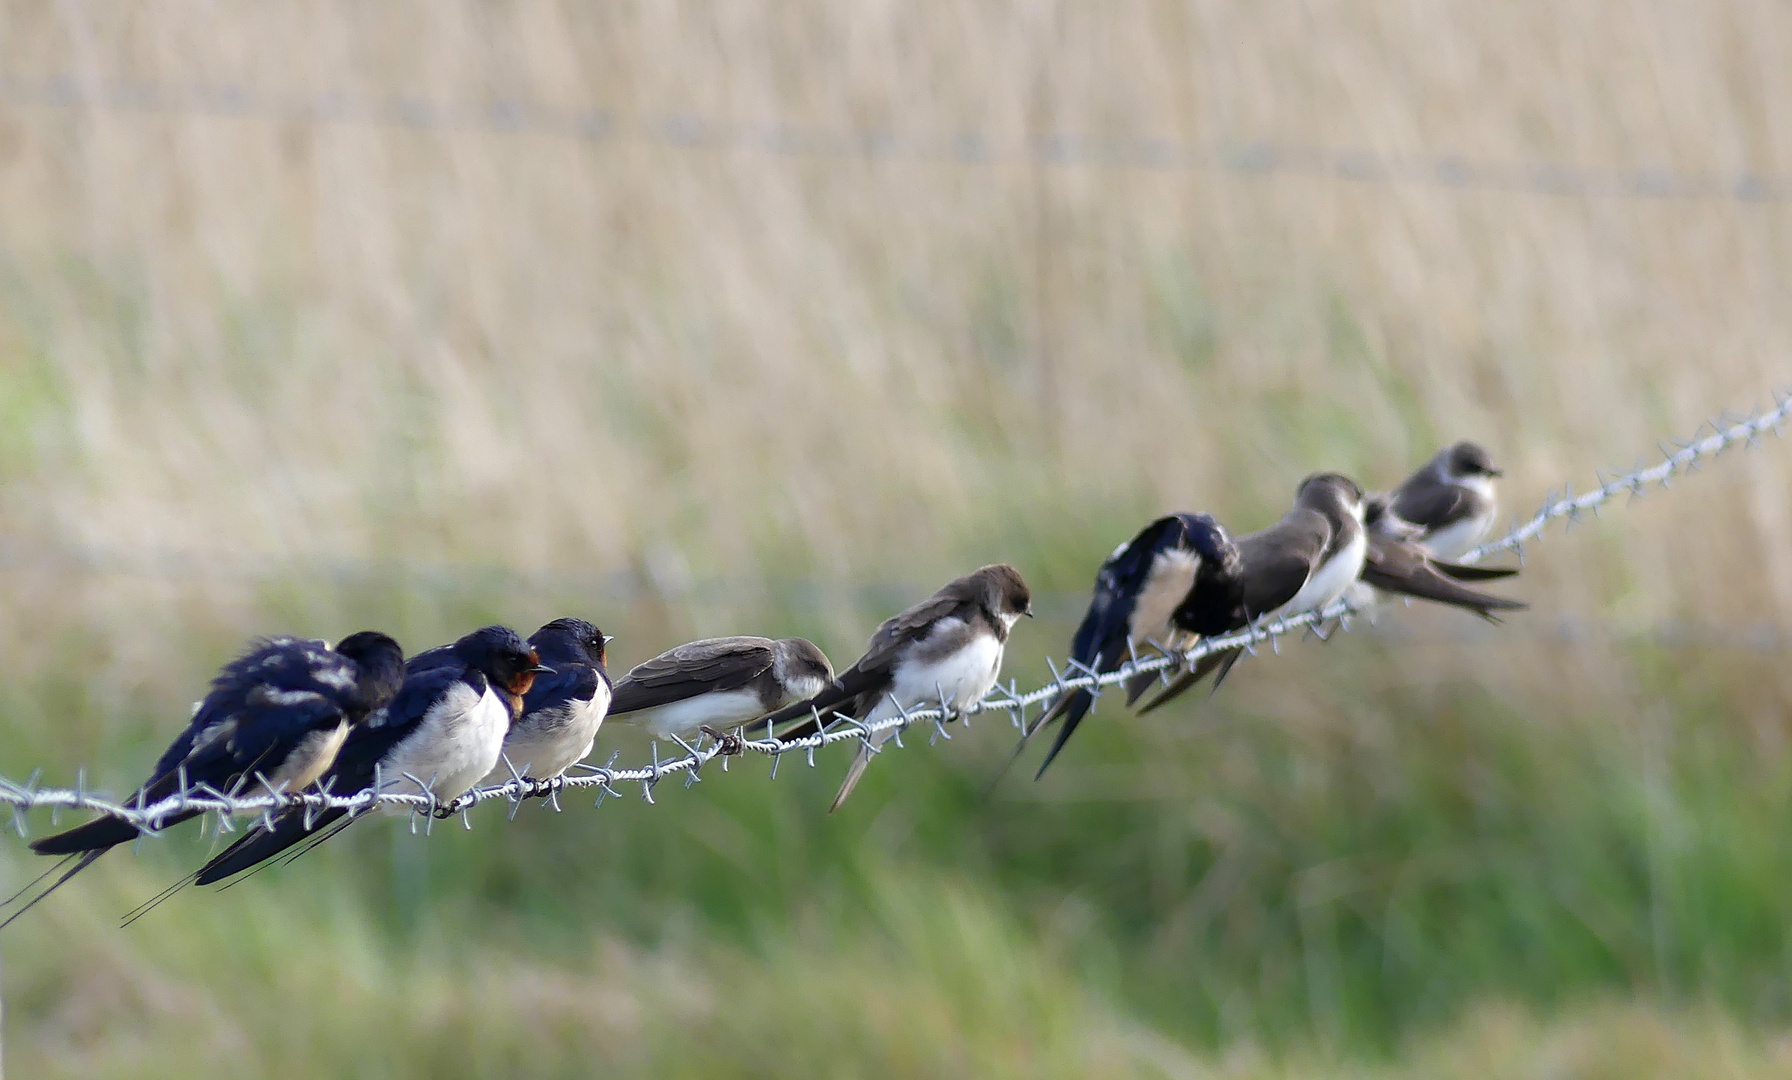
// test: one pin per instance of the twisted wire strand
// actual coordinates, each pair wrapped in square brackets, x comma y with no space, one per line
[1726,433]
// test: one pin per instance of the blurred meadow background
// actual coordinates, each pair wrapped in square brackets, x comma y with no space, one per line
[715,317]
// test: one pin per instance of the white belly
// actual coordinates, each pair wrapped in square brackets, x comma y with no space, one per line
[724,710]
[962,679]
[1171,578]
[1454,541]
[456,744]
[545,754]
[315,753]
[1331,580]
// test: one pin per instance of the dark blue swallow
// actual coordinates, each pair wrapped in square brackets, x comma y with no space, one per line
[1173,583]
[441,732]
[275,719]
[562,711]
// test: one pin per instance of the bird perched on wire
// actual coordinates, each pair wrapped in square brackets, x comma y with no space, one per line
[1450,501]
[1445,508]
[562,711]
[1173,583]
[439,735]
[274,720]
[719,684]
[946,650]
[1303,562]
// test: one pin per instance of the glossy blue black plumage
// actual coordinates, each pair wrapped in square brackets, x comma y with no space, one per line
[476,661]
[1101,642]
[263,708]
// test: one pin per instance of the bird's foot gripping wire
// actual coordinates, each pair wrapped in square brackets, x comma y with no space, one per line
[727,745]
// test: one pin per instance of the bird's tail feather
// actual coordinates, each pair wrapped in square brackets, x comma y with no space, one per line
[1221,660]
[853,772]
[100,833]
[1464,572]
[82,862]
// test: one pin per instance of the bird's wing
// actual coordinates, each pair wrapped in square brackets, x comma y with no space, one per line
[699,667]
[885,646]
[1404,569]
[1278,560]
[1434,505]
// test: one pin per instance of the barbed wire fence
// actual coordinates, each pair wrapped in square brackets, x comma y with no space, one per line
[1726,433]
[689,131]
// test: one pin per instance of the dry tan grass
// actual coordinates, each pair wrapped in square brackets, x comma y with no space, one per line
[243,334]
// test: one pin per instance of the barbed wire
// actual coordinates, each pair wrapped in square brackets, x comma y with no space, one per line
[689,131]
[1726,433]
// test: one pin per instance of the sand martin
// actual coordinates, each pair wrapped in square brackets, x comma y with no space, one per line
[945,650]
[719,683]
[1450,499]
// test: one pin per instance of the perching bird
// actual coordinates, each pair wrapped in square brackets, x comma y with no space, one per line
[719,683]
[1304,561]
[1450,499]
[1173,583]
[945,650]
[562,711]
[442,732]
[274,720]
[1451,502]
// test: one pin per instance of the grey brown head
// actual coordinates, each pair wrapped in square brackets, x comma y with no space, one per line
[1005,592]
[1331,493]
[1466,459]
[802,668]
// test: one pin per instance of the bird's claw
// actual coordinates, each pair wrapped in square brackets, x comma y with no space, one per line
[727,745]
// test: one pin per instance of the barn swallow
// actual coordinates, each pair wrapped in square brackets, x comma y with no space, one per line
[562,711]
[719,683]
[1142,599]
[1450,499]
[1303,562]
[946,650]
[275,718]
[440,733]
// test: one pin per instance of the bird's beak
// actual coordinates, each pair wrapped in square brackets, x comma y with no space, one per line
[1496,472]
[541,669]
[609,638]
[837,686]
[1029,612]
